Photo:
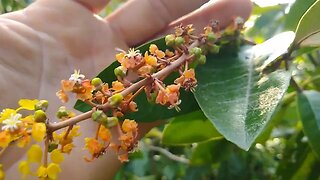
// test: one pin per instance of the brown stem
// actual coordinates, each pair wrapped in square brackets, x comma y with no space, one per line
[45,158]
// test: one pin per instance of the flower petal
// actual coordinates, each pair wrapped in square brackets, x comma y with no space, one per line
[56,156]
[34,154]
[38,131]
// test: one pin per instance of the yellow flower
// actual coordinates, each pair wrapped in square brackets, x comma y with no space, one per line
[5,139]
[67,148]
[24,169]
[38,131]
[53,170]
[24,141]
[56,156]
[6,113]
[42,172]
[34,154]
[2,175]
[27,104]
[150,60]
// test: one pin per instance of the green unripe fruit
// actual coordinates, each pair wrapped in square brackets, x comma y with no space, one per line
[99,116]
[115,100]
[211,36]
[214,49]
[110,122]
[202,59]
[120,71]
[62,112]
[52,147]
[40,116]
[179,41]
[196,51]
[41,105]
[170,40]
[96,82]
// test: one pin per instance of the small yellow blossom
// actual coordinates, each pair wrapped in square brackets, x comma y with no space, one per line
[24,169]
[2,175]
[38,131]
[27,104]
[53,170]
[93,146]
[34,154]
[56,156]
[24,141]
[6,113]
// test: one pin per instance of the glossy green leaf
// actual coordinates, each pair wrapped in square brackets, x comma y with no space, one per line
[308,106]
[189,128]
[236,96]
[309,25]
[147,112]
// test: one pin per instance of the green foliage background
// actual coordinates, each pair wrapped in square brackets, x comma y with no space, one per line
[286,147]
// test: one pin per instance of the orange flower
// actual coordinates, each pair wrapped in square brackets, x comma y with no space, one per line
[117,86]
[104,134]
[5,139]
[170,96]
[62,96]
[129,126]
[187,80]
[93,146]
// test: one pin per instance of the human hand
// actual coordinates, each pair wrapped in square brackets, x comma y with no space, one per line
[45,42]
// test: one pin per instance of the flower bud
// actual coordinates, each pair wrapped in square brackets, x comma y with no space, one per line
[196,51]
[211,36]
[62,112]
[115,100]
[202,59]
[99,116]
[179,41]
[170,40]
[110,122]
[41,105]
[214,49]
[40,116]
[52,147]
[120,71]
[96,82]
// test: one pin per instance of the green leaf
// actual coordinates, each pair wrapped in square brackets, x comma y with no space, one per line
[309,25]
[296,12]
[236,96]
[190,128]
[308,106]
[147,112]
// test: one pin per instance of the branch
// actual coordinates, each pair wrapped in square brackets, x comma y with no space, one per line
[169,154]
[134,87]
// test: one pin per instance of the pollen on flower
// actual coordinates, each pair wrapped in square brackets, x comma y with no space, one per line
[11,124]
[77,77]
